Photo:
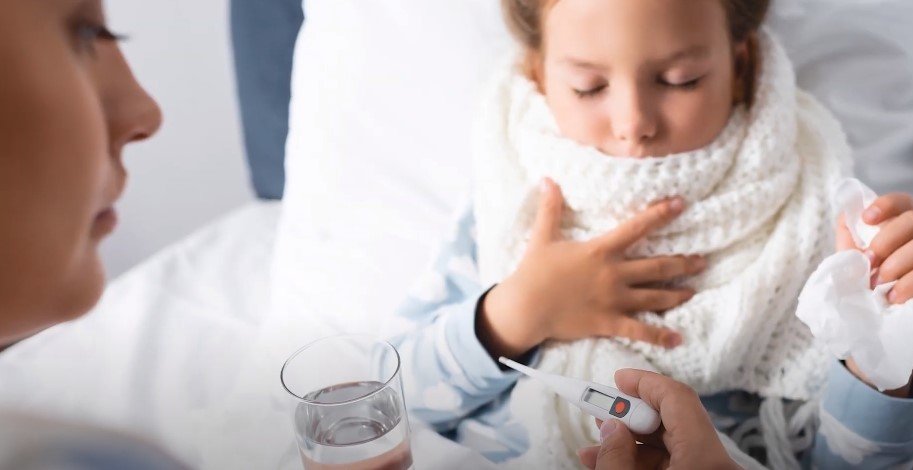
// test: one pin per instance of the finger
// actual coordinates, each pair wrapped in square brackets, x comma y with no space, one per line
[656,300]
[642,224]
[844,237]
[653,440]
[685,422]
[547,226]
[618,449]
[636,330]
[897,264]
[647,457]
[887,207]
[893,235]
[902,291]
[587,456]
[653,458]
[644,271]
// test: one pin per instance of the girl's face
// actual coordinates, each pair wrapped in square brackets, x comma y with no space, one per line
[640,77]
[68,107]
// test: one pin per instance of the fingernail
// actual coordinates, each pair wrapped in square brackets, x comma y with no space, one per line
[677,204]
[872,214]
[608,427]
[892,296]
[700,263]
[870,255]
[672,340]
[543,185]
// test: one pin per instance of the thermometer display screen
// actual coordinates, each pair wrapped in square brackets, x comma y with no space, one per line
[616,406]
[599,399]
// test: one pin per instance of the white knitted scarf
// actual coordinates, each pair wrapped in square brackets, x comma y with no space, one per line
[757,207]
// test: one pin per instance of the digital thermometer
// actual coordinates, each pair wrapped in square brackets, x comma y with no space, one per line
[597,400]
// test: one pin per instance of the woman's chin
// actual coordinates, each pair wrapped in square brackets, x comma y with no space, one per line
[82,289]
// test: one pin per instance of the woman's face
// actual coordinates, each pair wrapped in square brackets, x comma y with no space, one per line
[639,77]
[68,106]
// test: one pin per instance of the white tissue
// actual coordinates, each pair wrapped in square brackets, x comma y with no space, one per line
[852,319]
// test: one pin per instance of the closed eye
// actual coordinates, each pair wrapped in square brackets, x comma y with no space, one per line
[689,85]
[590,92]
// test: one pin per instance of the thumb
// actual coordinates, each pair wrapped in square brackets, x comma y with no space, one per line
[618,449]
[844,237]
[547,226]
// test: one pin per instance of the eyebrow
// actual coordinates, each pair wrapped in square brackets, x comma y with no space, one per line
[693,52]
[583,64]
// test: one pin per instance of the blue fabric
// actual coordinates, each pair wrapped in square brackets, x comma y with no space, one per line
[263,35]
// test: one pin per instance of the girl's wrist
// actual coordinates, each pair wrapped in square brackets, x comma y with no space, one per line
[903,392]
[503,324]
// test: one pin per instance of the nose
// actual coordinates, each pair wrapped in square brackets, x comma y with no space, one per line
[633,122]
[132,114]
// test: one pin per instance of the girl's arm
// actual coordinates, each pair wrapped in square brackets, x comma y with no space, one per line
[861,427]
[447,373]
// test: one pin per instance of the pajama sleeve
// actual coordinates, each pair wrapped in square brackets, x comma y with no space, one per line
[862,428]
[447,373]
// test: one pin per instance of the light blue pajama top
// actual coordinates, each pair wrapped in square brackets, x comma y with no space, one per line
[452,383]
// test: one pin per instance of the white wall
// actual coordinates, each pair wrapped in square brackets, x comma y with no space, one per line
[194,169]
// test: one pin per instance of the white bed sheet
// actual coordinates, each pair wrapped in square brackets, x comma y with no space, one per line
[163,354]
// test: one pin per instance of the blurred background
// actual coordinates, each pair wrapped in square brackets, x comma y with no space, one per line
[194,170]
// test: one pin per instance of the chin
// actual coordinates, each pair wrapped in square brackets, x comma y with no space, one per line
[83,288]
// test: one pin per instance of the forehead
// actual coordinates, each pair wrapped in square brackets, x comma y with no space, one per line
[635,29]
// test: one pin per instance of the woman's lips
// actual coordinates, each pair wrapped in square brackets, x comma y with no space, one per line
[105,223]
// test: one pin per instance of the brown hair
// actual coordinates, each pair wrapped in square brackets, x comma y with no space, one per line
[524,19]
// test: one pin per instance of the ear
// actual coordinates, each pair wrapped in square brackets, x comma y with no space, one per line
[740,68]
[533,67]
[746,61]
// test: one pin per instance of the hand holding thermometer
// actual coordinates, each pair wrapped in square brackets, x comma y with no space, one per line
[597,400]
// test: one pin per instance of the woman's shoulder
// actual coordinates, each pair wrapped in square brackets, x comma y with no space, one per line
[31,441]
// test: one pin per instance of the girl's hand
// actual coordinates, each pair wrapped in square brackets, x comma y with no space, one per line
[569,290]
[891,253]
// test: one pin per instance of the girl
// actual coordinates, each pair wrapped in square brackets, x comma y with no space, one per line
[690,207]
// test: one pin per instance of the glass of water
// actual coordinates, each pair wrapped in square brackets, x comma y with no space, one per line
[350,411]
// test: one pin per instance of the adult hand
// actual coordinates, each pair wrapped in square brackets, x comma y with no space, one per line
[687,438]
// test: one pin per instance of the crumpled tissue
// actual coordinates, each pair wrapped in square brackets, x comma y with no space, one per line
[845,313]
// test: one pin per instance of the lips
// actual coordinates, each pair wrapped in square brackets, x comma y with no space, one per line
[106,220]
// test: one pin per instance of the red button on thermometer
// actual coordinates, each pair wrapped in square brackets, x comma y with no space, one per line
[597,400]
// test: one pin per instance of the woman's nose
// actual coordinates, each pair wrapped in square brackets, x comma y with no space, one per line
[133,115]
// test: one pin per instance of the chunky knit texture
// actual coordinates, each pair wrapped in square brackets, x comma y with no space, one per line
[757,207]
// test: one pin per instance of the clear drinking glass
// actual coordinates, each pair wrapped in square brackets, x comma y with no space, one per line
[350,411]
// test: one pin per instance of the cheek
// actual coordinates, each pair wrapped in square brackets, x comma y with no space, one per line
[695,119]
[52,175]
[579,120]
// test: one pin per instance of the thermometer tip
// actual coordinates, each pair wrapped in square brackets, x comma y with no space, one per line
[517,367]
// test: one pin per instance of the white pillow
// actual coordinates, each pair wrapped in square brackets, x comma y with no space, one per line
[378,153]
[383,97]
